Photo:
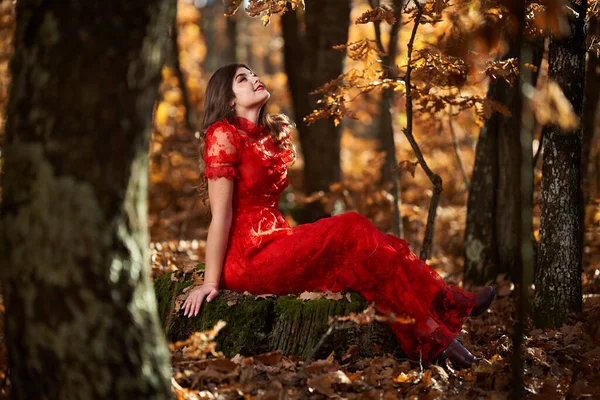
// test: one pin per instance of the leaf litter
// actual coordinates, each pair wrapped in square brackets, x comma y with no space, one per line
[559,363]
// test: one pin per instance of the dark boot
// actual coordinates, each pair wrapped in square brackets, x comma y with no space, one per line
[483,301]
[458,355]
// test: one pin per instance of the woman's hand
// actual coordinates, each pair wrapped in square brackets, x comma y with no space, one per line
[194,301]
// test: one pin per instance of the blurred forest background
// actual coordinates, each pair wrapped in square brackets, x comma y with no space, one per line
[340,69]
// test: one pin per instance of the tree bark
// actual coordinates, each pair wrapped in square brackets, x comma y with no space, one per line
[310,62]
[481,256]
[523,123]
[189,119]
[81,319]
[590,108]
[210,13]
[508,190]
[492,231]
[386,127]
[220,35]
[230,54]
[558,277]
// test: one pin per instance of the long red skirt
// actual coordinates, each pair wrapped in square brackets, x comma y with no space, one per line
[347,252]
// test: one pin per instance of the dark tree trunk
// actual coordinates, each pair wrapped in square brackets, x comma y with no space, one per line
[508,190]
[230,53]
[220,35]
[481,257]
[190,120]
[558,277]
[492,231]
[209,15]
[386,128]
[590,108]
[310,62]
[386,131]
[81,319]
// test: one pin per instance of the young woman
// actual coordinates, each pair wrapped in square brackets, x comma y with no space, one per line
[252,248]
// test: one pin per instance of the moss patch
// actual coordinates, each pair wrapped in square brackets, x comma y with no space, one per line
[248,320]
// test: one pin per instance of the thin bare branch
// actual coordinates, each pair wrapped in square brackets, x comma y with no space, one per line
[377,27]
[408,132]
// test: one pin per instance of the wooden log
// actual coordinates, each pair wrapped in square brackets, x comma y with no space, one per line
[257,324]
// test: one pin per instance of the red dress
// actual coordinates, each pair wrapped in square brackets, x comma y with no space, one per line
[266,255]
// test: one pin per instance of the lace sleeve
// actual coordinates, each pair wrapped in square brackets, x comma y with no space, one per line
[220,152]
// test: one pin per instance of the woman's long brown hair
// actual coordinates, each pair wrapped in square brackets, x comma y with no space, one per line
[219,93]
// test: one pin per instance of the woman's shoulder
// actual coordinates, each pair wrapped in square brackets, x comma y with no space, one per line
[222,135]
[221,127]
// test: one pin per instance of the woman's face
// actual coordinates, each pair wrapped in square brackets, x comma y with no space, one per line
[249,91]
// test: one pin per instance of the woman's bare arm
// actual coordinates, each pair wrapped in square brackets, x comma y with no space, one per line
[220,194]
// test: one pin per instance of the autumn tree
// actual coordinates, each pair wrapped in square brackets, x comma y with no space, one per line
[386,128]
[220,35]
[559,263]
[173,59]
[432,80]
[311,61]
[592,95]
[81,318]
[493,224]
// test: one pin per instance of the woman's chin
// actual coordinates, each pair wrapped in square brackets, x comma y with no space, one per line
[264,99]
[266,95]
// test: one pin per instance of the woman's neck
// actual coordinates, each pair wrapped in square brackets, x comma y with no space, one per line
[250,114]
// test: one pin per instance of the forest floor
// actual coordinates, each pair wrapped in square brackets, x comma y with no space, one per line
[559,363]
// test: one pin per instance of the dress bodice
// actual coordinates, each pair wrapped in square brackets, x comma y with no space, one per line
[248,153]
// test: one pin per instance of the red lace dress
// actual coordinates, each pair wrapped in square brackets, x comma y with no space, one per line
[265,255]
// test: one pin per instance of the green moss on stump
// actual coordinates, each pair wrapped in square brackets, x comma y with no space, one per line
[247,328]
[259,325]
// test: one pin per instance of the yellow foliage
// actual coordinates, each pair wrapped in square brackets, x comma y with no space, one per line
[384,12]
[550,106]
[162,113]
[172,96]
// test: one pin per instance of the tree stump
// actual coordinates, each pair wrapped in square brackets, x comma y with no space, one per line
[259,324]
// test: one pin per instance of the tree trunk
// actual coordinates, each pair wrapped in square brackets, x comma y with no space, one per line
[523,123]
[386,127]
[590,108]
[558,277]
[257,325]
[210,13]
[492,231]
[481,257]
[310,62]
[508,190]
[189,119]
[230,53]
[81,318]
